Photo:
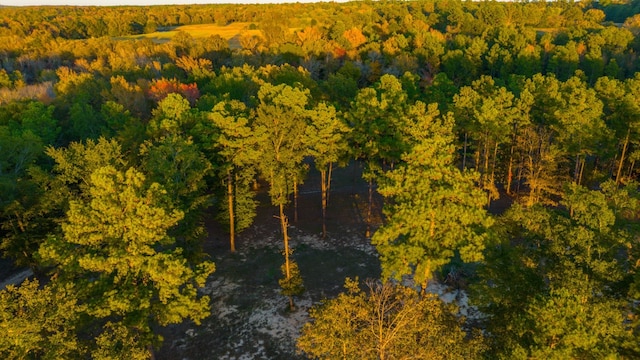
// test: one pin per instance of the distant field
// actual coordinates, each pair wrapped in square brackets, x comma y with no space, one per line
[229,32]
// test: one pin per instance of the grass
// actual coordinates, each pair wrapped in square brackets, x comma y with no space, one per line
[228,32]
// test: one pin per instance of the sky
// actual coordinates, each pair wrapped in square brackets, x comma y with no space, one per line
[134,2]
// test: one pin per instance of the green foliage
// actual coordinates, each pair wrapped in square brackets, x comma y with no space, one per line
[116,250]
[572,324]
[293,285]
[326,136]
[39,202]
[236,144]
[436,209]
[385,321]
[38,119]
[565,277]
[19,151]
[340,89]
[84,122]
[68,76]
[39,323]
[75,163]
[171,116]
[244,202]
[179,163]
[579,125]
[487,114]
[280,124]
[377,118]
[119,342]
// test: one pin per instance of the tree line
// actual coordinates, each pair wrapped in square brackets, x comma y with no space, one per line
[114,151]
[424,37]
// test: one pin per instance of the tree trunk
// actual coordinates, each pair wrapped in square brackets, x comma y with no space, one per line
[624,152]
[492,179]
[285,237]
[532,182]
[232,225]
[493,165]
[329,181]
[369,210]
[292,305]
[520,171]
[582,162]
[464,152]
[485,151]
[576,170]
[323,186]
[510,171]
[295,199]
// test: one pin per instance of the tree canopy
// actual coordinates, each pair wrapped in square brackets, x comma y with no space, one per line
[498,137]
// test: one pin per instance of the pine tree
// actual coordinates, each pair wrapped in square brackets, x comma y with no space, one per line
[281,122]
[377,118]
[40,323]
[436,210]
[237,147]
[487,113]
[327,142]
[559,279]
[126,269]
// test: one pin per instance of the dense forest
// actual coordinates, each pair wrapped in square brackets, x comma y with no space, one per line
[501,138]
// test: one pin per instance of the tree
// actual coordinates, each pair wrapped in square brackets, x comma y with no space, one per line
[126,129]
[178,163]
[127,271]
[39,119]
[541,158]
[237,147]
[75,164]
[377,119]
[83,123]
[521,123]
[564,60]
[436,210]
[39,203]
[160,89]
[541,165]
[621,113]
[487,114]
[172,115]
[578,123]
[39,322]
[327,142]
[130,96]
[291,283]
[386,321]
[281,122]
[564,277]
[172,157]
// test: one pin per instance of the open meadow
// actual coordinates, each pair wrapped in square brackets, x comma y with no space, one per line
[231,33]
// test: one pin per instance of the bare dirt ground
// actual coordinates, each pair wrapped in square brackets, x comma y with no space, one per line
[249,317]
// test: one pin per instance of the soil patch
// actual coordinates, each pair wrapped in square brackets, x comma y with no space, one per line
[249,318]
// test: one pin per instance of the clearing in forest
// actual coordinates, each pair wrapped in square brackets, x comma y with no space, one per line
[231,33]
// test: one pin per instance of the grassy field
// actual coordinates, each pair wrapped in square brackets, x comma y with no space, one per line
[229,32]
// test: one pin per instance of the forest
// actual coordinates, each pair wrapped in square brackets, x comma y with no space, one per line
[164,169]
